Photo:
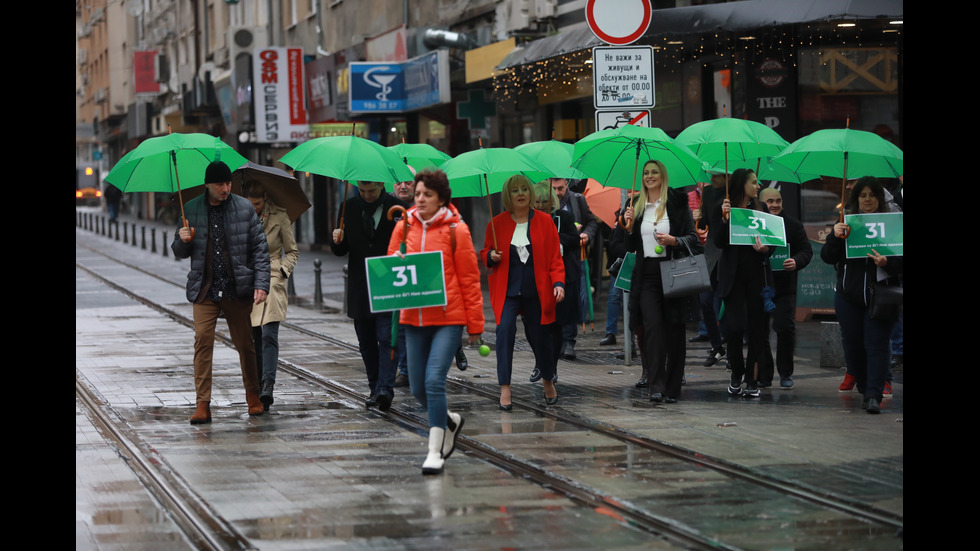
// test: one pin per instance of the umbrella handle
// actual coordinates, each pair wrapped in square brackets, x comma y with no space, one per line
[343,205]
[582,249]
[394,209]
[724,215]
[493,227]
[626,226]
[180,198]
[697,230]
[404,214]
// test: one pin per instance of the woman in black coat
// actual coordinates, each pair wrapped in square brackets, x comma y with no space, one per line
[743,271]
[546,200]
[865,338]
[660,227]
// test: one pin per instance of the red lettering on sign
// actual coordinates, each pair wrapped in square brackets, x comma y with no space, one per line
[269,67]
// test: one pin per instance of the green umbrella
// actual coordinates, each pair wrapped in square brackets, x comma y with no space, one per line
[348,158]
[420,155]
[843,153]
[730,142]
[764,168]
[554,155]
[482,172]
[733,140]
[613,157]
[158,164]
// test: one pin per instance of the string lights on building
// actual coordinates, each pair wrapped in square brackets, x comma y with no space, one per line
[573,70]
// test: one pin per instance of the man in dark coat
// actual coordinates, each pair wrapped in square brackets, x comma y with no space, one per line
[785,283]
[229,273]
[575,203]
[366,233]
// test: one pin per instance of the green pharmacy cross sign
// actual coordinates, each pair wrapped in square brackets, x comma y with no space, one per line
[416,281]
[476,110]
[884,233]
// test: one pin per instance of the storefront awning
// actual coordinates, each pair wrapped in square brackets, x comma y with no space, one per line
[562,43]
[755,14]
[729,16]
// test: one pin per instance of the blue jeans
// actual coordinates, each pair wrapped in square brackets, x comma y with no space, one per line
[266,339]
[430,353]
[865,343]
[374,343]
[614,307]
[507,333]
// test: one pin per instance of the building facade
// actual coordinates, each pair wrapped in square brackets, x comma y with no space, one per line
[503,73]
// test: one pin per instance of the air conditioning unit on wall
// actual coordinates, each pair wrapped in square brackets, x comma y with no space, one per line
[243,40]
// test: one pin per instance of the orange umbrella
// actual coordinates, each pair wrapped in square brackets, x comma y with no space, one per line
[603,201]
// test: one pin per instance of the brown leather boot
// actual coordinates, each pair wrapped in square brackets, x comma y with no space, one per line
[202,414]
[255,407]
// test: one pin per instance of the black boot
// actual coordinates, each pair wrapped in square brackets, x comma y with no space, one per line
[265,395]
[461,362]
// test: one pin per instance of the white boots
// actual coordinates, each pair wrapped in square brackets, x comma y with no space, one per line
[442,442]
[454,424]
[433,462]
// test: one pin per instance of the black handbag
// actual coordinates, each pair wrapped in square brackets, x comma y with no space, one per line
[886,301]
[685,276]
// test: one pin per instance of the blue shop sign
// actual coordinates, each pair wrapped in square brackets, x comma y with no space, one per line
[397,87]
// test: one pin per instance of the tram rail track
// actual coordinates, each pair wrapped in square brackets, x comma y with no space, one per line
[637,516]
[204,527]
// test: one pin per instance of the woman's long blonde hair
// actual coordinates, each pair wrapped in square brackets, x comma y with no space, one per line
[643,199]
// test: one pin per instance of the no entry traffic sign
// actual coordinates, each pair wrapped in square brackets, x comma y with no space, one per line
[618,22]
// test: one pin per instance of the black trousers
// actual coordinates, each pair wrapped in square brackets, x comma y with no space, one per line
[664,348]
[744,314]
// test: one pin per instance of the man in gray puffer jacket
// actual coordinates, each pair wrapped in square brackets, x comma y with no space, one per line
[229,273]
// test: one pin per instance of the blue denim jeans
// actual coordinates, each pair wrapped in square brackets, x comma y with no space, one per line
[430,353]
[614,307]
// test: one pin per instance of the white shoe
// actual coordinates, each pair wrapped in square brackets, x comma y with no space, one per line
[433,462]
[454,423]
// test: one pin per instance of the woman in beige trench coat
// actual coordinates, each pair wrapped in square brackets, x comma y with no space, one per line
[283,255]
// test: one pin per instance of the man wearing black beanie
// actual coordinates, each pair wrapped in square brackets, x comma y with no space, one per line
[229,273]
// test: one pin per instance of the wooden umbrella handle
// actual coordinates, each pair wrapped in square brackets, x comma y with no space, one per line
[698,230]
[180,197]
[404,214]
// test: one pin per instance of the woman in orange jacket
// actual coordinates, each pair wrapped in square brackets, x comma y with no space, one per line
[526,276]
[432,334]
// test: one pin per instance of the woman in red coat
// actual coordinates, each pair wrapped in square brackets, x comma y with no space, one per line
[527,276]
[433,334]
